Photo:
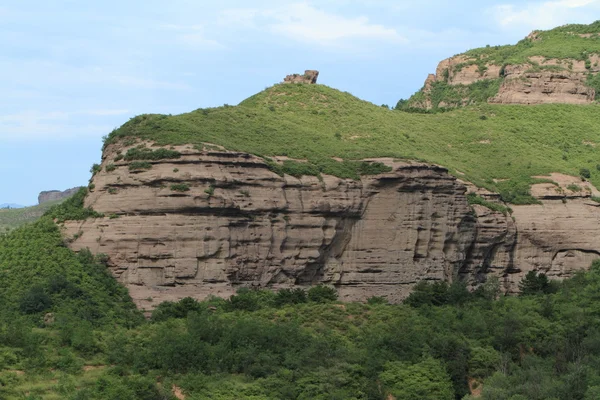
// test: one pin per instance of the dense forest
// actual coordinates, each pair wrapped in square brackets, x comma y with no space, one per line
[68,330]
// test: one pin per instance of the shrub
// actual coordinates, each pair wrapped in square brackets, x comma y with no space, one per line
[585,173]
[73,209]
[138,165]
[574,188]
[374,300]
[473,198]
[322,294]
[35,300]
[95,169]
[210,191]
[290,296]
[180,187]
[251,299]
[534,283]
[180,309]
[110,167]
[145,153]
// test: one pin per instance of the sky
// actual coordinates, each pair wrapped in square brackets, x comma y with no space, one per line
[73,70]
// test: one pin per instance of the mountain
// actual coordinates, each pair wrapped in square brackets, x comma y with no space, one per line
[302,184]
[53,195]
[10,205]
[556,66]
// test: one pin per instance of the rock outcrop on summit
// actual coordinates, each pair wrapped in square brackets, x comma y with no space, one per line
[237,224]
[309,76]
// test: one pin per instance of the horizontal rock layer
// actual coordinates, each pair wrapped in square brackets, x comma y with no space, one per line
[240,224]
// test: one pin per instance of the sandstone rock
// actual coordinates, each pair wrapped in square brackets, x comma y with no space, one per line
[310,77]
[242,225]
[544,87]
[52,195]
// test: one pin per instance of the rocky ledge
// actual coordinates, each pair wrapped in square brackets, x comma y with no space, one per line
[214,220]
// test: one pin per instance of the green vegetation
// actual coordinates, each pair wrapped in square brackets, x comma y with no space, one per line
[181,187]
[473,198]
[501,152]
[69,331]
[564,43]
[444,95]
[110,167]
[73,209]
[145,153]
[14,217]
[139,165]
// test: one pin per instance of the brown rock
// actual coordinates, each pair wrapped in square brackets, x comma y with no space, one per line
[310,77]
[242,225]
[52,195]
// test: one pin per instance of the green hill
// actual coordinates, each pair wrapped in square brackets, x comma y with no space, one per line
[15,217]
[484,143]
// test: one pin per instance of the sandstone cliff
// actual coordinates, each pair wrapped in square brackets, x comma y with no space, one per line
[525,73]
[213,220]
[51,195]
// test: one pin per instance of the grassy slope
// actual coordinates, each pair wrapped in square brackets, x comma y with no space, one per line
[562,42]
[15,217]
[316,122]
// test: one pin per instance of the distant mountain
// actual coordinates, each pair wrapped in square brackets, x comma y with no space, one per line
[10,205]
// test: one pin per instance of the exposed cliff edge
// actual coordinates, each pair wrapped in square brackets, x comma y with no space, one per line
[212,220]
[53,195]
[556,66]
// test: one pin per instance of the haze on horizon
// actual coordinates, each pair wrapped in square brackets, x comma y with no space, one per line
[74,71]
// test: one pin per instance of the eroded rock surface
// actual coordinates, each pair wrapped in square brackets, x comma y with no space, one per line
[310,76]
[240,224]
[51,195]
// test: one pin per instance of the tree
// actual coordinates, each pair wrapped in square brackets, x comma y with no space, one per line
[534,283]
[426,380]
[322,294]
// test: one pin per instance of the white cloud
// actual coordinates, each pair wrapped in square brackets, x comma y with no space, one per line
[29,125]
[544,15]
[305,23]
[193,36]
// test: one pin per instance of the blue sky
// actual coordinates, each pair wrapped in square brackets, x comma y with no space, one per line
[74,70]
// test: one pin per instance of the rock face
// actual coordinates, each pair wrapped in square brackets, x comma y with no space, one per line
[52,195]
[536,80]
[240,224]
[310,77]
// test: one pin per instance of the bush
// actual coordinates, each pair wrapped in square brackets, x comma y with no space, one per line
[377,300]
[585,173]
[322,294]
[110,167]
[139,165]
[95,169]
[72,209]
[290,296]
[35,300]
[145,153]
[534,283]
[180,309]
[180,187]
[247,299]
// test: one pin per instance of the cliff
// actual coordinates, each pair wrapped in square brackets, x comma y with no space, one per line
[211,220]
[556,66]
[53,195]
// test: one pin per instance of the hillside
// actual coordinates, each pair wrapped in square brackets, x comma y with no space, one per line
[556,66]
[68,331]
[498,147]
[15,217]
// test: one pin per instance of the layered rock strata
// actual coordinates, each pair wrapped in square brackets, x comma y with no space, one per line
[214,220]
